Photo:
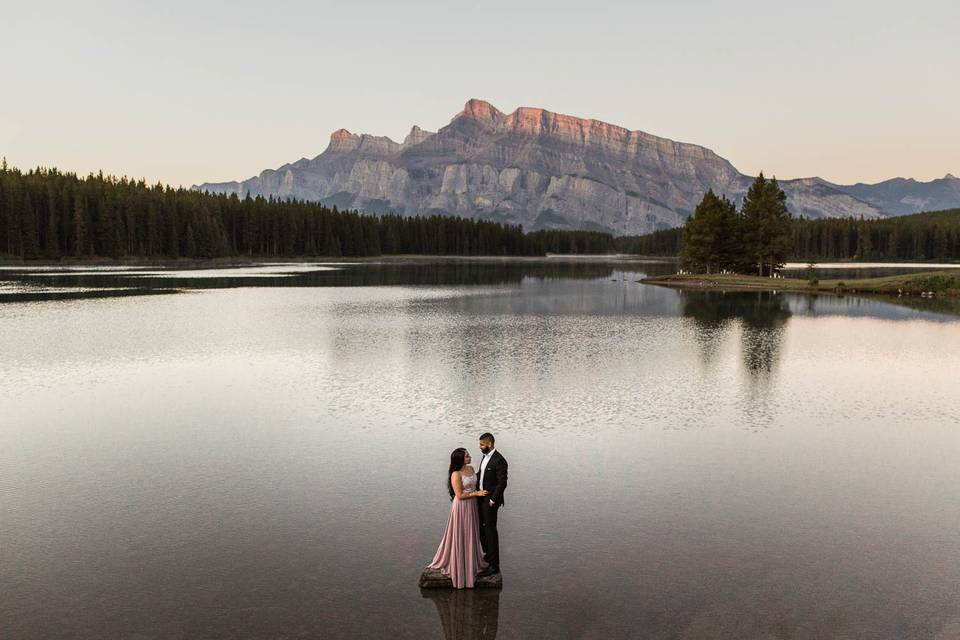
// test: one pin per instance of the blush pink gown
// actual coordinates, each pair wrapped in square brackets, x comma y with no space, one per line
[459,555]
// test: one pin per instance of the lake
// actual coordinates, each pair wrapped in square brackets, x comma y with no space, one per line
[261,453]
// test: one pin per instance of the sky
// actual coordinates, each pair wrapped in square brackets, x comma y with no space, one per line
[191,92]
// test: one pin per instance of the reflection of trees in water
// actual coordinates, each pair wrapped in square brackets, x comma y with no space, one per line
[711,314]
[763,324]
[762,316]
[466,614]
[436,272]
[455,273]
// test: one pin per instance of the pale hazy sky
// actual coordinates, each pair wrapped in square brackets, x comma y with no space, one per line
[187,92]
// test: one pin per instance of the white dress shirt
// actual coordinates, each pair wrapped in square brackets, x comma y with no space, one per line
[483,467]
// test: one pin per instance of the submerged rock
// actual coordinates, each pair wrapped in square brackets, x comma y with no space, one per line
[434,579]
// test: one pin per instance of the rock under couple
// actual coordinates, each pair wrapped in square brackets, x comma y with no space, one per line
[470,546]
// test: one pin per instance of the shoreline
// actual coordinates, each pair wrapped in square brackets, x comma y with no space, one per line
[923,284]
[252,260]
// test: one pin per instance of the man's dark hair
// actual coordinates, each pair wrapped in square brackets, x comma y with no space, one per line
[489,436]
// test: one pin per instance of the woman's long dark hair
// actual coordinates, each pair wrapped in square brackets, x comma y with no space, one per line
[456,463]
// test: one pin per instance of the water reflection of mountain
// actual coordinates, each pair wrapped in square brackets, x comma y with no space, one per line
[888,308]
[466,614]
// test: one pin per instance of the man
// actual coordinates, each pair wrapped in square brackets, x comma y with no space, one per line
[493,480]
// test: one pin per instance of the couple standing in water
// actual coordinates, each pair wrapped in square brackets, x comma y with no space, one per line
[471,546]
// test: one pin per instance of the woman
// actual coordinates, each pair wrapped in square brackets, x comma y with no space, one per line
[459,555]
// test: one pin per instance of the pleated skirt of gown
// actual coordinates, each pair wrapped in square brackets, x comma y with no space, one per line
[459,555]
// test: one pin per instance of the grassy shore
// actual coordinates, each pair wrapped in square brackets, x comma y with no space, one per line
[939,283]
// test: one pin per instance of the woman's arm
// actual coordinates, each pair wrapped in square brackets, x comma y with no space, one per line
[457,483]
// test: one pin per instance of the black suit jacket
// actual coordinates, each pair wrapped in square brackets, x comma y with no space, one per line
[495,478]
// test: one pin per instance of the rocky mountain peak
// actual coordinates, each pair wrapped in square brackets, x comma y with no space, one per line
[343,141]
[528,121]
[950,176]
[416,136]
[535,122]
[378,145]
[482,111]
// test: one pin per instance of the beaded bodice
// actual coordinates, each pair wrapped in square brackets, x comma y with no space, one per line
[469,483]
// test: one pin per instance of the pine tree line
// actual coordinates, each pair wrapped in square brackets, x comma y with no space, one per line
[917,237]
[922,236]
[49,214]
[662,242]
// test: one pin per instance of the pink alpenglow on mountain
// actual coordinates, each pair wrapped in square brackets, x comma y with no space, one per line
[548,170]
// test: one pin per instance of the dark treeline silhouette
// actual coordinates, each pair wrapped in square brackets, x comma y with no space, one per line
[50,214]
[933,235]
[922,236]
[576,242]
[663,242]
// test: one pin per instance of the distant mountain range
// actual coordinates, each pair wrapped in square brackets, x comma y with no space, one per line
[546,170]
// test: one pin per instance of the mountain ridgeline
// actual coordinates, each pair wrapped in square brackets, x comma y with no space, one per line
[544,170]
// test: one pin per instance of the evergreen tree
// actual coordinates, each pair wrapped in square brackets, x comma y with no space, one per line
[51,240]
[864,242]
[710,236]
[190,242]
[79,221]
[30,245]
[767,236]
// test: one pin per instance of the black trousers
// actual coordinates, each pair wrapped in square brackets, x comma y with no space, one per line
[489,538]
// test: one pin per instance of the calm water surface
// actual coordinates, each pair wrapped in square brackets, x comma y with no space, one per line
[263,455]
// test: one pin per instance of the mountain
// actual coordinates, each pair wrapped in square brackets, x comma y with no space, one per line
[547,170]
[902,196]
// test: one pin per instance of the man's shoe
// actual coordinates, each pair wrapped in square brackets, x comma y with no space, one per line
[489,571]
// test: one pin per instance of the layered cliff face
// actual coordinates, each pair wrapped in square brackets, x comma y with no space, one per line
[531,167]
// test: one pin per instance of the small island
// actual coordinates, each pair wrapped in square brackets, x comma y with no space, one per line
[726,249]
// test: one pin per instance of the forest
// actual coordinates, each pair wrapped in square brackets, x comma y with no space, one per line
[48,214]
[930,236]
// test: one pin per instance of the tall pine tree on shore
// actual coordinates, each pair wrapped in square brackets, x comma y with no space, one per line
[711,236]
[767,233]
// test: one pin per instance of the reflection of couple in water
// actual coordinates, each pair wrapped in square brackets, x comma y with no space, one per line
[470,546]
[466,614]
